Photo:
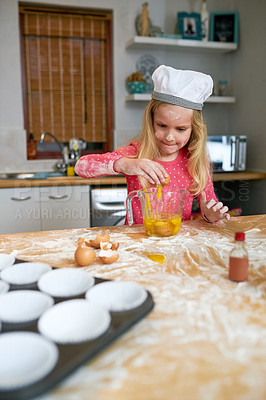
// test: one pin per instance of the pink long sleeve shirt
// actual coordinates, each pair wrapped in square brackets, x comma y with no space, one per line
[95,165]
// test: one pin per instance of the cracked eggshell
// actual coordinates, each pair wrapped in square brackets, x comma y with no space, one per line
[165,183]
[103,237]
[108,256]
[84,256]
[109,246]
[167,180]
[80,241]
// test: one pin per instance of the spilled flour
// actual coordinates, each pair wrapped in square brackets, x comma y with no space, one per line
[205,338]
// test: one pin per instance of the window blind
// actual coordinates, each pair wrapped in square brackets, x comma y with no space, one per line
[67,80]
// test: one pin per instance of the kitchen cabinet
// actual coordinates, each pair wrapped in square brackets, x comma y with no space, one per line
[20,210]
[65,207]
[40,196]
[31,209]
[195,46]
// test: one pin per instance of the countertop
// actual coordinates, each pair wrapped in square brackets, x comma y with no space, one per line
[64,181]
[206,336]
[115,180]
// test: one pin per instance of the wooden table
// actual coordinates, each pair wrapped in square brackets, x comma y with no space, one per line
[205,338]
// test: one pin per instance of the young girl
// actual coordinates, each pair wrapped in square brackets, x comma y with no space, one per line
[172,143]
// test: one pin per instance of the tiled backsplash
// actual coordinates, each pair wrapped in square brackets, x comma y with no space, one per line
[14,153]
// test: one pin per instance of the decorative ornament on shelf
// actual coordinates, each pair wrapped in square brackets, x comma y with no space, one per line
[143,23]
[136,83]
[145,20]
[204,21]
[147,64]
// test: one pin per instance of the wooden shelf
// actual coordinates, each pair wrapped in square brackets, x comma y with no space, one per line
[184,44]
[211,99]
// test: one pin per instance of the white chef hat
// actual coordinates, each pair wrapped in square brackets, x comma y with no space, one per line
[187,89]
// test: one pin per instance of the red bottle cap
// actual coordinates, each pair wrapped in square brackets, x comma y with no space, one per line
[240,236]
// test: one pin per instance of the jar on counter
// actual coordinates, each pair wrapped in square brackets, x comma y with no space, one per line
[223,87]
[70,170]
[31,147]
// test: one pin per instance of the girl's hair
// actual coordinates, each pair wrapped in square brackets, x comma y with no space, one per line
[198,161]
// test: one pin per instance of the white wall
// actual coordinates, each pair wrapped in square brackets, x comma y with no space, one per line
[245,74]
[248,69]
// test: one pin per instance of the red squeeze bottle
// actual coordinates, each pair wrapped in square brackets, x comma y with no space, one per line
[238,260]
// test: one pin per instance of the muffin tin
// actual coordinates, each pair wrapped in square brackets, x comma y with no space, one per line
[51,329]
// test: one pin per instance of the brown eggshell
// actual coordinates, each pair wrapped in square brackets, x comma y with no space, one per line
[165,183]
[103,237]
[109,246]
[167,180]
[87,242]
[84,256]
[108,256]
[80,241]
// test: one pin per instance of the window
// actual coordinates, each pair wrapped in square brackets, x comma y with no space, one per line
[66,59]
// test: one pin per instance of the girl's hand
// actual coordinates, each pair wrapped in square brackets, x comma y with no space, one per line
[152,171]
[212,210]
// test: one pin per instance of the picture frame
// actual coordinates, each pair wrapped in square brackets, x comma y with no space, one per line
[224,27]
[189,25]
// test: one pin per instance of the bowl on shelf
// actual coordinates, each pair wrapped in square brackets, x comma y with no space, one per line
[136,87]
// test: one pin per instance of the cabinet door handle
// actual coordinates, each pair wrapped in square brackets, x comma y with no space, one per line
[23,198]
[58,197]
[109,206]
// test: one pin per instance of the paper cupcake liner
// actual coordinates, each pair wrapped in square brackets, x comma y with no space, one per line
[65,282]
[4,287]
[74,321]
[117,296]
[26,357]
[24,273]
[6,260]
[20,306]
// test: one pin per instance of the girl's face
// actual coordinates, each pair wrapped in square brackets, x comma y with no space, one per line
[172,127]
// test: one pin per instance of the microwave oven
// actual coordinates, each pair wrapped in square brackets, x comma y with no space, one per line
[227,153]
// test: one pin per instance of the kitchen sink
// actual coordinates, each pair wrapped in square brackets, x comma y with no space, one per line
[28,175]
